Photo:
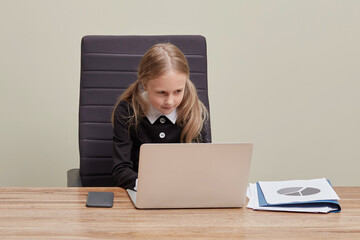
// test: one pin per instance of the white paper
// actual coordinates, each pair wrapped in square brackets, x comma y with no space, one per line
[295,191]
[254,204]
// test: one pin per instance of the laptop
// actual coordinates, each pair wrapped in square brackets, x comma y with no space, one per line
[192,175]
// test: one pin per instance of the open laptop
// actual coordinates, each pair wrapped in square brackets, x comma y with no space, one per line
[192,175]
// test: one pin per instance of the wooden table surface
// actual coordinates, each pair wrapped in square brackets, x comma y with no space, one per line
[60,213]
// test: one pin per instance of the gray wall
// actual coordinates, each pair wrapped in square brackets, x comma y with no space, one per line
[282,74]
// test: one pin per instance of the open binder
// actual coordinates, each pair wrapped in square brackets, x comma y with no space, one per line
[312,196]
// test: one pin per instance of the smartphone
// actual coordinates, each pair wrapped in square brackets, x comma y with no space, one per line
[100,199]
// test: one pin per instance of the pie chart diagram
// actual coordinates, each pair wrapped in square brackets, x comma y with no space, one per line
[298,191]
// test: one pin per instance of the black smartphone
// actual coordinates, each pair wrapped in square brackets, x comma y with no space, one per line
[100,199]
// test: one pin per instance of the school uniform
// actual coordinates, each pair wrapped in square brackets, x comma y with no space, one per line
[153,128]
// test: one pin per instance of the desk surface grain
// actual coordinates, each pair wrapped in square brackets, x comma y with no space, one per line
[60,213]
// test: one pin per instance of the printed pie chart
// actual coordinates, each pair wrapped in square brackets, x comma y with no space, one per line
[298,191]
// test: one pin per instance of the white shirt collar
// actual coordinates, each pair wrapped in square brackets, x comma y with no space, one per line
[153,114]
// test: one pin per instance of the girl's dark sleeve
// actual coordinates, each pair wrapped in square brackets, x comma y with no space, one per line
[205,132]
[123,171]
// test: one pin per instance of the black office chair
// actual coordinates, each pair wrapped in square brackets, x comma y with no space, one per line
[108,66]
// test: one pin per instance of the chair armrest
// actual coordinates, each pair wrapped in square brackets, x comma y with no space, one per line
[73,178]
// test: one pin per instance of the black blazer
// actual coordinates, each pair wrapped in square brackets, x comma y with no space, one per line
[127,141]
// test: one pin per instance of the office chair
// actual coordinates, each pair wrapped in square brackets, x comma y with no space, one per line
[108,66]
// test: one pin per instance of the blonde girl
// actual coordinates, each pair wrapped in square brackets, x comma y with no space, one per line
[162,106]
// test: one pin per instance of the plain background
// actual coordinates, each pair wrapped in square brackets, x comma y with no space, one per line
[283,75]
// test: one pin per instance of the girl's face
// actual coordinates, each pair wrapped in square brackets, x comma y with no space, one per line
[166,92]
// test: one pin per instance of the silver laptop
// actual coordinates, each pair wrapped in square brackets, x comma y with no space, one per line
[192,175]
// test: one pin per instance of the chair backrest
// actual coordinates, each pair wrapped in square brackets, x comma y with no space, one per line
[108,66]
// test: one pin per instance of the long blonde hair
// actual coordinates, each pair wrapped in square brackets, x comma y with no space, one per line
[159,59]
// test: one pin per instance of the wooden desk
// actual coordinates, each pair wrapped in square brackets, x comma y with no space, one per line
[60,213]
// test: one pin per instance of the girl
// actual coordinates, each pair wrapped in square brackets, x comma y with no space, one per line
[162,106]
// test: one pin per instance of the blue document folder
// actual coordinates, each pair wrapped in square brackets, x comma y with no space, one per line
[333,205]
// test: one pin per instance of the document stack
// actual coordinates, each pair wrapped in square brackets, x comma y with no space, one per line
[312,196]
